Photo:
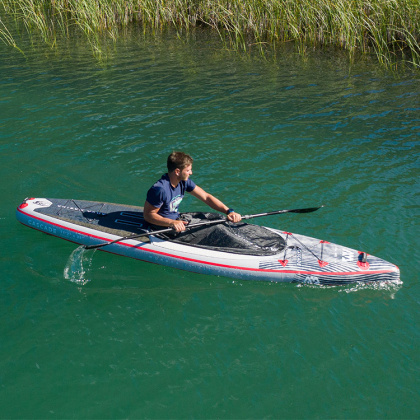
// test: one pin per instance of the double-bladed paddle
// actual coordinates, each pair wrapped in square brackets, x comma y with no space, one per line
[208,222]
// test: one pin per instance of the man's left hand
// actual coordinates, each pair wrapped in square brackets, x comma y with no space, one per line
[234,217]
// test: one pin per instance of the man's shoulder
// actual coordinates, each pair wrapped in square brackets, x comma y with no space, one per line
[158,189]
[162,182]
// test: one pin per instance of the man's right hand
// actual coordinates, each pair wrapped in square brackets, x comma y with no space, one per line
[178,225]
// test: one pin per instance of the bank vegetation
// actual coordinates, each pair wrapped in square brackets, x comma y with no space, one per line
[388,29]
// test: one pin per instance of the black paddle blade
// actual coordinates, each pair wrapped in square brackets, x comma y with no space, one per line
[308,210]
[94,246]
[98,245]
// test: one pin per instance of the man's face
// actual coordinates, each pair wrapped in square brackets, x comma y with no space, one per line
[185,173]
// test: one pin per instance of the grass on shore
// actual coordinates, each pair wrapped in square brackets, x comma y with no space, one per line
[390,29]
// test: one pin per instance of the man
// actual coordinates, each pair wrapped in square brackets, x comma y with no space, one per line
[165,196]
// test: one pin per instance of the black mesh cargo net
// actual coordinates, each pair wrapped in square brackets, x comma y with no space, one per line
[239,238]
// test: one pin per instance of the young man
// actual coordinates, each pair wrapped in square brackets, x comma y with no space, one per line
[165,196]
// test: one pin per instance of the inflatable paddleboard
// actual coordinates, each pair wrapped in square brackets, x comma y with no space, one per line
[241,251]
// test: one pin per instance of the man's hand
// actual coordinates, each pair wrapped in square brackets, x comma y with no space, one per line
[178,225]
[234,217]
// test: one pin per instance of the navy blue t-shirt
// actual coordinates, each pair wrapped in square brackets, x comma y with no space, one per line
[164,196]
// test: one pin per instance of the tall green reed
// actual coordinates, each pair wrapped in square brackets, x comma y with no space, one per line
[387,28]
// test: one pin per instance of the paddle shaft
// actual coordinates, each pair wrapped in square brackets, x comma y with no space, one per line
[155,232]
[208,222]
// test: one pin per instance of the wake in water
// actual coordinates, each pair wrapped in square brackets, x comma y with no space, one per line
[78,266]
[389,286]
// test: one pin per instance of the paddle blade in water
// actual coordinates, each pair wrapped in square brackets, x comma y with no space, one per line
[78,266]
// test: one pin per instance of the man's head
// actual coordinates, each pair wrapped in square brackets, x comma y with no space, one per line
[178,160]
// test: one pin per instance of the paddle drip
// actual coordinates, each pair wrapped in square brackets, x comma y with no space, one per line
[78,266]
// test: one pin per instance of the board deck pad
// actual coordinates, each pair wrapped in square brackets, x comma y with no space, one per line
[111,218]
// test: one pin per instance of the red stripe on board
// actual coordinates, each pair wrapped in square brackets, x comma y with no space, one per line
[321,273]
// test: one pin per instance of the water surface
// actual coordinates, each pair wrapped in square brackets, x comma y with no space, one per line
[145,341]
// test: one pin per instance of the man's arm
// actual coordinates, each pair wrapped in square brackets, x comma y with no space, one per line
[214,203]
[151,215]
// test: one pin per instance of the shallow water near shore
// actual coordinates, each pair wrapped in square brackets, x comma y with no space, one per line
[128,339]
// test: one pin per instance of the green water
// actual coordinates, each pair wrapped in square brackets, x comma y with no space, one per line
[144,341]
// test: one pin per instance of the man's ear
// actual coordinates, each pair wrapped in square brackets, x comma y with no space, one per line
[177,171]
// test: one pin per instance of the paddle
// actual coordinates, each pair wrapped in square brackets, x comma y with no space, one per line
[309,210]
[207,222]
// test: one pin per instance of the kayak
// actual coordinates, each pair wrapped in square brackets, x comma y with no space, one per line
[237,250]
